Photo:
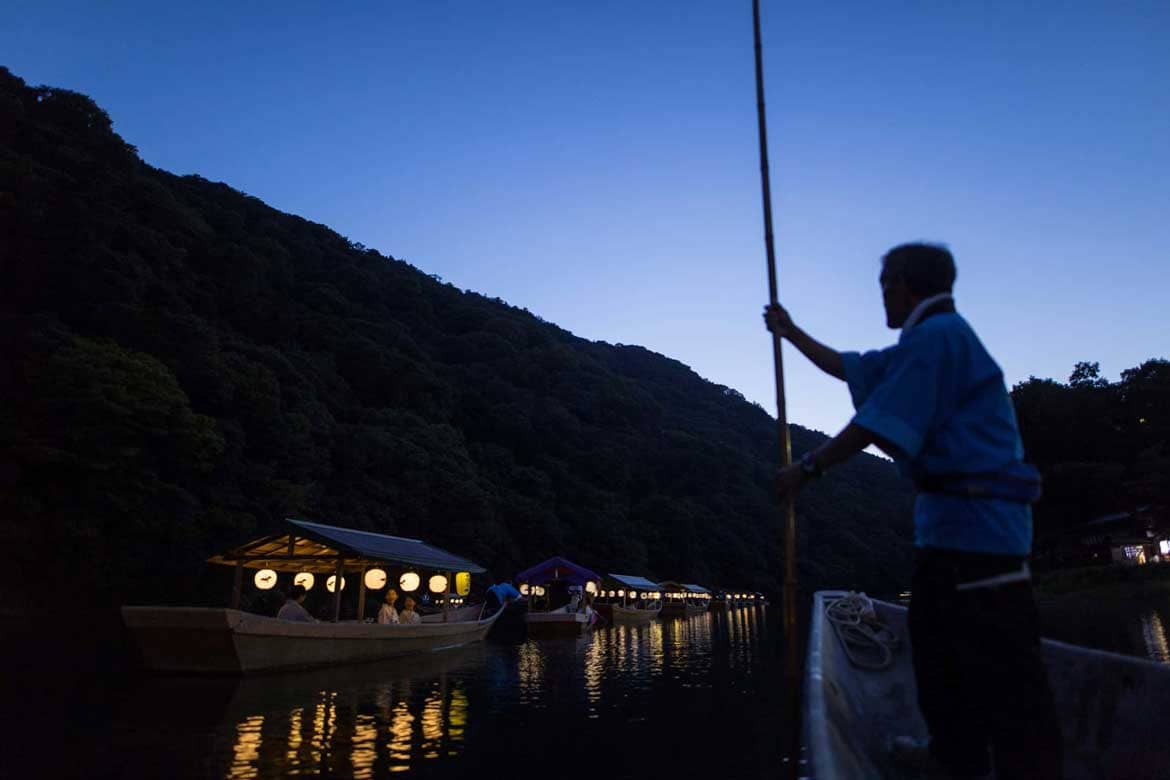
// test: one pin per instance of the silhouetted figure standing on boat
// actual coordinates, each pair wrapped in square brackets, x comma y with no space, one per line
[937,404]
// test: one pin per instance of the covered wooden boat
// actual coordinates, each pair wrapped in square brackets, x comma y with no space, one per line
[1113,707]
[198,640]
[560,595]
[627,599]
[683,599]
[233,641]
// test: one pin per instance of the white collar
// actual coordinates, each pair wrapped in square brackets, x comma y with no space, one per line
[920,309]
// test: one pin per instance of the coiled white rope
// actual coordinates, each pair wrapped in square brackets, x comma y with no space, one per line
[868,642]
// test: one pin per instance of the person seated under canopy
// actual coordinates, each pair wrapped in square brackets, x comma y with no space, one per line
[294,609]
[388,615]
[409,616]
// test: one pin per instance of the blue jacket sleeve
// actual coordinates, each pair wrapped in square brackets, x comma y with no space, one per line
[864,371]
[899,404]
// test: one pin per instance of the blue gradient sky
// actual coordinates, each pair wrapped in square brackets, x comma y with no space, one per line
[597,163]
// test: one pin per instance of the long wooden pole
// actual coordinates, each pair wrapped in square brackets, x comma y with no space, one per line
[792,643]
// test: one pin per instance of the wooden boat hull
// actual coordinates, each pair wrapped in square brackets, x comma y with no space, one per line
[682,610]
[616,614]
[195,640]
[1107,703]
[558,624]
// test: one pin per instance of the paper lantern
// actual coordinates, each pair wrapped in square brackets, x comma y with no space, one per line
[409,582]
[591,587]
[524,589]
[538,590]
[437,583]
[463,583]
[265,579]
[375,579]
[621,594]
[331,583]
[305,579]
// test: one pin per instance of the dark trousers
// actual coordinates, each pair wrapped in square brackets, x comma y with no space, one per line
[982,686]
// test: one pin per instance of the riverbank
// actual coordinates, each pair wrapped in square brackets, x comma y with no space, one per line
[1153,579]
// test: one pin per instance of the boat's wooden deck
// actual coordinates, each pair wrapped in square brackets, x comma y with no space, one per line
[1114,709]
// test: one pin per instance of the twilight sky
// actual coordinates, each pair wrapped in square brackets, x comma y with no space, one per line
[596,162]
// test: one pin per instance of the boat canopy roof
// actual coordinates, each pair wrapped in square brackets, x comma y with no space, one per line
[635,582]
[677,587]
[558,568]
[315,547]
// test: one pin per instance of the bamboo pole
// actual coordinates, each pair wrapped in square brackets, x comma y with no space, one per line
[792,644]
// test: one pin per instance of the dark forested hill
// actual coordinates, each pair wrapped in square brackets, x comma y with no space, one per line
[184,366]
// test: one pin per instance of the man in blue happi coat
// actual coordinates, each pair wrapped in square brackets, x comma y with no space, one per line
[937,404]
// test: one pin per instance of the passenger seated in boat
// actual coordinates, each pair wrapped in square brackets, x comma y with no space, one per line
[388,615]
[294,609]
[409,616]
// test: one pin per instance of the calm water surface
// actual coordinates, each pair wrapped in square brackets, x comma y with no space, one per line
[683,698]
[677,698]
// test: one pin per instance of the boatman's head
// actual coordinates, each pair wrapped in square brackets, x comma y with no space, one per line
[911,273]
[298,593]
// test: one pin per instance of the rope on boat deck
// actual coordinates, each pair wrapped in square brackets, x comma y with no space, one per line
[861,631]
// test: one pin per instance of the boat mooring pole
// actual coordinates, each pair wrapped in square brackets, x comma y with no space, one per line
[792,642]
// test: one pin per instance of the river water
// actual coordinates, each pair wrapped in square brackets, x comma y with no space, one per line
[678,698]
[682,697]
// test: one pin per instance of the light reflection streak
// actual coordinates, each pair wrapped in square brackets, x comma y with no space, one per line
[247,748]
[1154,633]
[364,749]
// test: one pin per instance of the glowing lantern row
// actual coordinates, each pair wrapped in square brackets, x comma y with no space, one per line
[591,587]
[524,589]
[375,579]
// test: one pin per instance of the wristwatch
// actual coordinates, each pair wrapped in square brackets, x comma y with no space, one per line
[809,467]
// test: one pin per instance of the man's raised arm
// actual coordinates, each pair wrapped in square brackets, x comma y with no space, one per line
[823,357]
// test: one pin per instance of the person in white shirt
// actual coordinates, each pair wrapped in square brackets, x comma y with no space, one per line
[293,608]
[409,616]
[388,615]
